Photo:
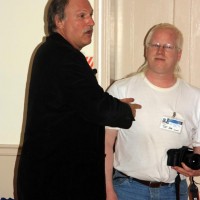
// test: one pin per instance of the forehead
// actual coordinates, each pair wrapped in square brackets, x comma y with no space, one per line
[164,34]
[78,6]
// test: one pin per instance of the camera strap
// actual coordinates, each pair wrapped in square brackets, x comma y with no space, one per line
[177,185]
[194,193]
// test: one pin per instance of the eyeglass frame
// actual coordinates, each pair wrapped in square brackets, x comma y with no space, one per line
[166,47]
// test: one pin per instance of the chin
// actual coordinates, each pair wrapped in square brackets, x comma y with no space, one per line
[87,42]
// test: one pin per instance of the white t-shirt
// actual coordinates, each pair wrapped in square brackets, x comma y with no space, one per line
[141,150]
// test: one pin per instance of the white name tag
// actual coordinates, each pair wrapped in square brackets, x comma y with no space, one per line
[171,124]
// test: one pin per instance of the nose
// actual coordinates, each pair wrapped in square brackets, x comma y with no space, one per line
[91,21]
[160,50]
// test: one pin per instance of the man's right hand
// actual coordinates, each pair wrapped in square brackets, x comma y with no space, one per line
[132,105]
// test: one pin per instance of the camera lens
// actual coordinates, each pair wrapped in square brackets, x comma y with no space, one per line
[192,161]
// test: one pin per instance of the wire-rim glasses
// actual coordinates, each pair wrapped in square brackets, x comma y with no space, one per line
[167,47]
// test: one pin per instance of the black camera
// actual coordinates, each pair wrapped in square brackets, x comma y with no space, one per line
[184,154]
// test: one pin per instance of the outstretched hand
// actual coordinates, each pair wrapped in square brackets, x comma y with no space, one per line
[132,105]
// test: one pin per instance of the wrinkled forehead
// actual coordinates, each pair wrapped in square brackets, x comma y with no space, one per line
[78,5]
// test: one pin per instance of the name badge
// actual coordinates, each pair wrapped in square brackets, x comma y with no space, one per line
[171,124]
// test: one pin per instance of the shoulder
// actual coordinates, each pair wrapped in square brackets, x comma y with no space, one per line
[57,51]
[122,85]
[189,86]
[190,90]
[128,81]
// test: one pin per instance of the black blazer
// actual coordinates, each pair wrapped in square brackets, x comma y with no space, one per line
[63,152]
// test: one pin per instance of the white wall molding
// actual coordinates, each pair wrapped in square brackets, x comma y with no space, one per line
[9,150]
[102,41]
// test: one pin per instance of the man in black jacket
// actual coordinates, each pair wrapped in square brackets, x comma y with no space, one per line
[63,151]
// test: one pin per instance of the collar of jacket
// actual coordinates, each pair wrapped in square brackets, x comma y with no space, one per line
[56,37]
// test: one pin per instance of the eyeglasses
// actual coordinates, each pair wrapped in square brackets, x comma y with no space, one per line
[166,47]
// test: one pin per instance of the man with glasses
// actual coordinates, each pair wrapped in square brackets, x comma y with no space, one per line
[137,169]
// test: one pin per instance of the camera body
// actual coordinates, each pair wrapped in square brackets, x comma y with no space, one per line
[184,154]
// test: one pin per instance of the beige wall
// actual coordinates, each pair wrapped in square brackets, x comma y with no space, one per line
[22,28]
[8,159]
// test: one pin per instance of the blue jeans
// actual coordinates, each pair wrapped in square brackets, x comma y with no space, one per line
[129,189]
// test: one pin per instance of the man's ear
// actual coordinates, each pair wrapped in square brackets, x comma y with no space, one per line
[145,53]
[179,55]
[58,22]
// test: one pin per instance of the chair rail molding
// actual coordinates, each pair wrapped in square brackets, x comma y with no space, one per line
[9,150]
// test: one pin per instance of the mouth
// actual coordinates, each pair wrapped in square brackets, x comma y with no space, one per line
[88,31]
[159,59]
